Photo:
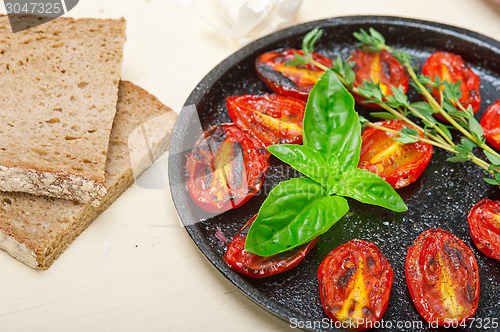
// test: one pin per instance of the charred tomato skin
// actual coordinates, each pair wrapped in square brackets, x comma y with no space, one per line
[442,277]
[255,266]
[272,118]
[452,67]
[484,225]
[355,282]
[291,81]
[491,125]
[397,163]
[380,67]
[225,168]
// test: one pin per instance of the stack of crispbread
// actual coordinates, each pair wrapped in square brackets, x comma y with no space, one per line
[66,122]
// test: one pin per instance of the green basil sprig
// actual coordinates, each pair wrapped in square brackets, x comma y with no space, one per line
[298,210]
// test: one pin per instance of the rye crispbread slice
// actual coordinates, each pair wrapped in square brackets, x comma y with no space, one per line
[37,229]
[58,93]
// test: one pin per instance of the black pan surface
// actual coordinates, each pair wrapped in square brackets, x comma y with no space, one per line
[441,197]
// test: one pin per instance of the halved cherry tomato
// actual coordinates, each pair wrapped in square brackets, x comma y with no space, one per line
[452,68]
[484,224]
[491,125]
[443,277]
[226,167]
[256,266]
[380,67]
[397,163]
[355,283]
[292,81]
[273,118]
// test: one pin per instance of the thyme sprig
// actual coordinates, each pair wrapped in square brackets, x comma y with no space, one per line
[397,106]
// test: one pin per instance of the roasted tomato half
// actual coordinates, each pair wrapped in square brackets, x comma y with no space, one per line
[292,81]
[256,266]
[452,68]
[355,283]
[380,67]
[273,118]
[442,277]
[484,224]
[226,167]
[397,163]
[491,125]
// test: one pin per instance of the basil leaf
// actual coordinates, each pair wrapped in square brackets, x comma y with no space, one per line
[331,124]
[295,212]
[367,188]
[332,170]
[304,159]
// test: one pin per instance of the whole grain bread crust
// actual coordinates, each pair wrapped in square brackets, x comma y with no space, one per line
[56,184]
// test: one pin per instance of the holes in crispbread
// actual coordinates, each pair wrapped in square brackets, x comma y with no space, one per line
[7,201]
[82,85]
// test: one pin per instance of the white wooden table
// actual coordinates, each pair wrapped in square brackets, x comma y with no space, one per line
[135,268]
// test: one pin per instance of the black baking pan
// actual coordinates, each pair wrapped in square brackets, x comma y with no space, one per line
[441,197]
